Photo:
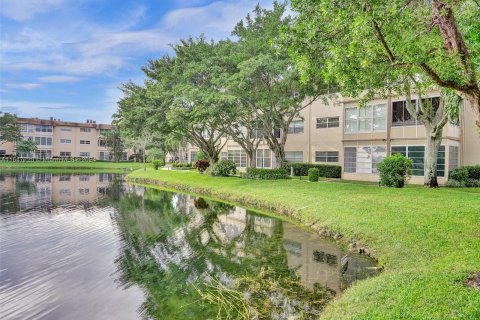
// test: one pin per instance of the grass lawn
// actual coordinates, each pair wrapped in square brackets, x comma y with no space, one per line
[428,240]
[69,165]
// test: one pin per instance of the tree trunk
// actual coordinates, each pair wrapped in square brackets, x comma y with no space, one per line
[252,160]
[432,145]
[279,152]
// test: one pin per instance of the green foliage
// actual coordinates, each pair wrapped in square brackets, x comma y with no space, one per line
[26,146]
[114,143]
[313,174]
[157,164]
[325,170]
[181,165]
[9,130]
[155,153]
[265,174]
[394,170]
[202,165]
[465,176]
[200,156]
[223,168]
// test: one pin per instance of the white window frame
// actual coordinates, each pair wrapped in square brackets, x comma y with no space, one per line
[366,114]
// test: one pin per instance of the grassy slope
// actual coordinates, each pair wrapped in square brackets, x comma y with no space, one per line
[78,165]
[427,240]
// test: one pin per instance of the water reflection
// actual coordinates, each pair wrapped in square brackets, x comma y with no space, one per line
[202,259]
[86,246]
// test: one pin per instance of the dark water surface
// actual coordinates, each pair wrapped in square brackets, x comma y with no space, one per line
[93,247]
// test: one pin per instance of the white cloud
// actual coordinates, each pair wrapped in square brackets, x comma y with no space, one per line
[26,86]
[59,79]
[22,10]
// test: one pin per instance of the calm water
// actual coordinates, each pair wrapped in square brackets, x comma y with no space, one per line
[93,247]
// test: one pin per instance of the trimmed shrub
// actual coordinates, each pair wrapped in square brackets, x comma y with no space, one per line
[265,174]
[394,170]
[223,168]
[202,165]
[182,165]
[157,164]
[466,176]
[459,174]
[324,170]
[313,174]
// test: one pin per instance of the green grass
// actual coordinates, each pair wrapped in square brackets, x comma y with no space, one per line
[428,240]
[69,165]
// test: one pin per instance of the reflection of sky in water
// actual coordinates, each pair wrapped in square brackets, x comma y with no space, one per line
[58,262]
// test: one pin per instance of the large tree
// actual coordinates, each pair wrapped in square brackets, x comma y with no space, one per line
[113,141]
[9,130]
[267,82]
[373,48]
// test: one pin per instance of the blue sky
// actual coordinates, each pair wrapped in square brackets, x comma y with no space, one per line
[66,58]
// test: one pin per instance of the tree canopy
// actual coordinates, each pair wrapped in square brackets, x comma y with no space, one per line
[9,130]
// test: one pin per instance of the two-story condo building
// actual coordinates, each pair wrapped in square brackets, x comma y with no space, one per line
[57,138]
[341,133]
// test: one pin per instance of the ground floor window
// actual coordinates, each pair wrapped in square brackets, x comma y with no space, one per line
[25,154]
[294,156]
[193,156]
[3,152]
[238,156]
[84,154]
[363,159]
[453,158]
[65,154]
[417,154]
[43,154]
[264,158]
[326,156]
[105,156]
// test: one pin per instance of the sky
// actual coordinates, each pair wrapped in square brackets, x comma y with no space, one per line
[66,58]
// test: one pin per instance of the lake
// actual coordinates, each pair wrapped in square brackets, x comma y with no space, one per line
[90,246]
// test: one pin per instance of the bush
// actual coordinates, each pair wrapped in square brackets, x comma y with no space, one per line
[186,165]
[265,174]
[157,164]
[202,165]
[325,170]
[459,174]
[466,176]
[394,170]
[223,168]
[313,174]
[200,155]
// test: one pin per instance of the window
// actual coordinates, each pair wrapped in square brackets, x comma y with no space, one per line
[64,177]
[295,127]
[329,122]
[24,127]
[326,156]
[3,152]
[43,141]
[65,154]
[102,143]
[367,119]
[363,159]
[223,155]
[276,133]
[105,156]
[193,156]
[294,156]
[453,158]
[238,156]
[43,128]
[264,158]
[417,154]
[84,191]
[43,154]
[400,114]
[84,141]
[65,141]
[257,134]
[65,129]
[84,154]
[65,192]
[83,177]
[85,129]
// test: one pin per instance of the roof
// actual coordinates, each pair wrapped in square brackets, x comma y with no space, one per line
[55,123]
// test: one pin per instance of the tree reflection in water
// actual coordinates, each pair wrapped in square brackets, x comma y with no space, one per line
[201,259]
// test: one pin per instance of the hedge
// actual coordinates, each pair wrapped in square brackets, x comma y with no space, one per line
[265,174]
[466,176]
[325,170]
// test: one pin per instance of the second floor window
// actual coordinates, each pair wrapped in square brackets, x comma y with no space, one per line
[84,141]
[65,141]
[43,141]
[329,122]
[42,128]
[367,119]
[295,127]
[85,129]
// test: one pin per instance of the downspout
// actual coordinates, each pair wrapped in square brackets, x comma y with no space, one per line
[389,121]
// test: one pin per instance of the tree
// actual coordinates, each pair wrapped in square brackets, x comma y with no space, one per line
[267,82]
[142,142]
[357,46]
[26,146]
[9,130]
[113,141]
[439,40]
